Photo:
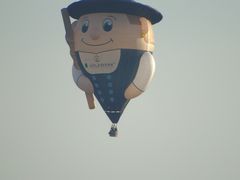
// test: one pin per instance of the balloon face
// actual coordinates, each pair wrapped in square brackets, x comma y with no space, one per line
[100,32]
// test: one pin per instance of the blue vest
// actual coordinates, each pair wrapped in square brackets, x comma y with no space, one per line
[109,88]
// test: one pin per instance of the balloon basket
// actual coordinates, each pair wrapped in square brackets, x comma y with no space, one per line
[113,131]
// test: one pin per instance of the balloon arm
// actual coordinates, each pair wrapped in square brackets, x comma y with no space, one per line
[70,40]
[143,76]
[145,71]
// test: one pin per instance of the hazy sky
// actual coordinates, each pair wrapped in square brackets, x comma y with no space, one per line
[185,126]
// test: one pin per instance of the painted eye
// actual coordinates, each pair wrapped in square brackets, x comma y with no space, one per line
[107,25]
[85,26]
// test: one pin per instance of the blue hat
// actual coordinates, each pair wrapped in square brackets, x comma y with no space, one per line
[82,7]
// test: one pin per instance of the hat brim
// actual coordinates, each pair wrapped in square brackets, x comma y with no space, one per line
[77,9]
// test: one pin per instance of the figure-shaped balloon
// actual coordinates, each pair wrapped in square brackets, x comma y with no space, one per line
[111,43]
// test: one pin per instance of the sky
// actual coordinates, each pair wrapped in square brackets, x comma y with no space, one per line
[184,127]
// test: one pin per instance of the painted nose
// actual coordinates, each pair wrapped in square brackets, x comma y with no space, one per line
[94,34]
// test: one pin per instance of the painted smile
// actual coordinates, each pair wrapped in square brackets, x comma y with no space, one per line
[88,44]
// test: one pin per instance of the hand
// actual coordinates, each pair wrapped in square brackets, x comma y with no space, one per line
[85,84]
[132,91]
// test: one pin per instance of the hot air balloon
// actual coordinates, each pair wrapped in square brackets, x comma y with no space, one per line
[111,43]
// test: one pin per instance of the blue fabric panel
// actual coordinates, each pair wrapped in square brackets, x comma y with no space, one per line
[109,88]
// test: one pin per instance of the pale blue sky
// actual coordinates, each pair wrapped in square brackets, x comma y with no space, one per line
[185,127]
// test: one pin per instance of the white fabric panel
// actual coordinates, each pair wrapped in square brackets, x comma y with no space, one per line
[82,81]
[76,73]
[145,71]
